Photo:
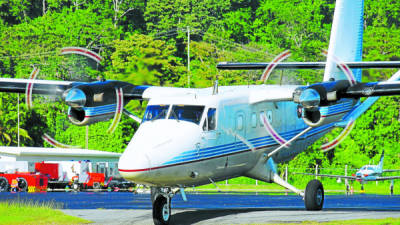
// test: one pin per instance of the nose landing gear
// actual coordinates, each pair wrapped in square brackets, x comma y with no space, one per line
[161,199]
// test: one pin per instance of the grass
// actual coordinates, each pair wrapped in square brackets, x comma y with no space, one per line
[35,213]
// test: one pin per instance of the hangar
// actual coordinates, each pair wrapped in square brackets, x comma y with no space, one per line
[38,154]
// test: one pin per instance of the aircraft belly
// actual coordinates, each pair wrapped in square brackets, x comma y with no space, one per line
[200,172]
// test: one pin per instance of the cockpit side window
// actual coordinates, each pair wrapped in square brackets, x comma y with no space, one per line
[211,120]
[190,113]
[155,112]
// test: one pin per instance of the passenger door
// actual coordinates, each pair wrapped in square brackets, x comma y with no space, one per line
[210,136]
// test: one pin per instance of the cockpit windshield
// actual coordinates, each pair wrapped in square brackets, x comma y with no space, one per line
[154,112]
[191,113]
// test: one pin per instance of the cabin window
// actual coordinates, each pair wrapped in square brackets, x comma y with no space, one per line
[211,120]
[253,120]
[261,122]
[239,122]
[155,112]
[269,116]
[190,113]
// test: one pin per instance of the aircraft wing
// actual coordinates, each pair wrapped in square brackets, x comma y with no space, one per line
[46,87]
[385,171]
[304,65]
[358,110]
[387,178]
[329,175]
[271,94]
[61,88]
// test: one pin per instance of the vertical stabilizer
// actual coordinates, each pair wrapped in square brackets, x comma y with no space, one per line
[380,165]
[346,38]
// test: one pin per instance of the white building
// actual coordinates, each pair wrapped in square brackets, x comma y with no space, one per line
[71,161]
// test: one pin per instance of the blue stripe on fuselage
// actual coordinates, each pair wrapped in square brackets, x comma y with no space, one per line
[237,147]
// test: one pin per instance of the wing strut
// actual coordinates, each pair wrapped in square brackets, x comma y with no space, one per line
[288,142]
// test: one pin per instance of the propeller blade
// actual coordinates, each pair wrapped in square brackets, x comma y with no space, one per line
[271,131]
[271,66]
[335,142]
[82,51]
[118,111]
[29,87]
[53,142]
[344,67]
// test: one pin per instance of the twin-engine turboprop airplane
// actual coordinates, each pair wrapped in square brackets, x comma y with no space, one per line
[365,173]
[190,137]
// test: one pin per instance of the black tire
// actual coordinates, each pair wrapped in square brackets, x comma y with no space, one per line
[161,211]
[96,185]
[22,184]
[314,196]
[76,187]
[4,185]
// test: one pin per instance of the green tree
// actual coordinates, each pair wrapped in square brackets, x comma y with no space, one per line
[142,60]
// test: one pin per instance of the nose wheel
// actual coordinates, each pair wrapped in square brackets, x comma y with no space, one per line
[161,207]
[314,195]
[161,211]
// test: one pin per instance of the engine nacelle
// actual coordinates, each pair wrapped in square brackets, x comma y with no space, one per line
[89,115]
[95,102]
[321,102]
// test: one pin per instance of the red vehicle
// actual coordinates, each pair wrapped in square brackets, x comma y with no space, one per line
[53,171]
[59,175]
[24,181]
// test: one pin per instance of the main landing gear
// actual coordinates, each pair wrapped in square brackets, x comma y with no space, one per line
[314,196]
[161,199]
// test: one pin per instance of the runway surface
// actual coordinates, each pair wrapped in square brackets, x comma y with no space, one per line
[129,208]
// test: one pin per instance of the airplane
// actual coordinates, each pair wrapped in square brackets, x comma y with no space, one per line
[365,173]
[190,137]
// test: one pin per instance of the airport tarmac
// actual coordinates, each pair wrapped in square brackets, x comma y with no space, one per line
[217,208]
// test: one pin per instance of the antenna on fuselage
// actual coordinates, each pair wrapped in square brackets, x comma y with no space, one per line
[215,87]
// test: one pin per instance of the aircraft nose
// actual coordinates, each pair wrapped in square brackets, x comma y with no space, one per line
[134,167]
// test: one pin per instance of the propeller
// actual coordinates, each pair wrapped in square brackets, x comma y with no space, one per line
[311,100]
[76,67]
[350,125]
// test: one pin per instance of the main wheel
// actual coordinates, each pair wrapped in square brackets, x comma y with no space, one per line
[22,184]
[4,184]
[161,211]
[96,185]
[314,196]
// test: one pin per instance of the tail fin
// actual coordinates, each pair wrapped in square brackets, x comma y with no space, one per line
[380,165]
[346,38]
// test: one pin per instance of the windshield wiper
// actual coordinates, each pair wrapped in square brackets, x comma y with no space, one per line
[159,115]
[174,114]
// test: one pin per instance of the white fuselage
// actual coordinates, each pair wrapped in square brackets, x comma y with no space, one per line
[369,172]
[168,151]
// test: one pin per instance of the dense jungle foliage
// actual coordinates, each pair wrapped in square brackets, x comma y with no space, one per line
[145,42]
